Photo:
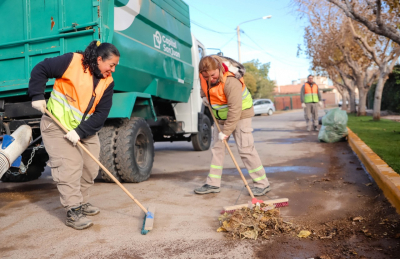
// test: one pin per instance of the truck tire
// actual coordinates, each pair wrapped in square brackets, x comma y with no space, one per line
[35,169]
[202,140]
[107,136]
[135,150]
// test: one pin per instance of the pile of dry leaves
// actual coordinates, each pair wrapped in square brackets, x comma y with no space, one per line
[259,222]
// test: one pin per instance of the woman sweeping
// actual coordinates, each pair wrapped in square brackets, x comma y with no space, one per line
[232,106]
[81,100]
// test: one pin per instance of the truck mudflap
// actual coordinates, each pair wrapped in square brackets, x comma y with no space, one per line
[133,104]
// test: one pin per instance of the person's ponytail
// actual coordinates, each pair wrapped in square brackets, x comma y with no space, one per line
[94,50]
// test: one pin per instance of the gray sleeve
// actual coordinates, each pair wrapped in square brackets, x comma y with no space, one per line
[302,94]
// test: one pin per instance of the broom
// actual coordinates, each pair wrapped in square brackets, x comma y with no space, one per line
[149,213]
[277,203]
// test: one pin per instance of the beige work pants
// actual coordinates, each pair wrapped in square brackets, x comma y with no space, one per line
[72,169]
[245,143]
[311,114]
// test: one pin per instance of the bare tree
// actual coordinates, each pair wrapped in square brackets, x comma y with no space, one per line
[384,53]
[380,17]
[330,26]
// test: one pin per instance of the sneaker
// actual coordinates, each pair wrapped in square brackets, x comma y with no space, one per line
[207,189]
[308,128]
[77,220]
[90,210]
[260,191]
[316,128]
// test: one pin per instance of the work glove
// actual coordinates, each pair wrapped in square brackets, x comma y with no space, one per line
[39,105]
[72,136]
[222,136]
[205,101]
[321,104]
[303,105]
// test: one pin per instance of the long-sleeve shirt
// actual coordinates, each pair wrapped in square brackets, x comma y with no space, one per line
[55,68]
[302,91]
[233,93]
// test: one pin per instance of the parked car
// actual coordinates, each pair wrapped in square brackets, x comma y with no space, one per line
[263,106]
[340,103]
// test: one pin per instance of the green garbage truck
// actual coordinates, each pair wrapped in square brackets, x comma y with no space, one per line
[157,89]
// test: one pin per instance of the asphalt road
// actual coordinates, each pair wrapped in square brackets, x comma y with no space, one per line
[32,219]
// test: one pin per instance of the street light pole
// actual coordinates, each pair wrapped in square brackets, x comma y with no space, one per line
[238,33]
[238,40]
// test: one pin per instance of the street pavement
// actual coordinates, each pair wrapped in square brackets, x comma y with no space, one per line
[32,219]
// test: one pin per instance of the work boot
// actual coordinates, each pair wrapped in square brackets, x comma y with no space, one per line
[90,210]
[260,191]
[316,128]
[76,219]
[207,189]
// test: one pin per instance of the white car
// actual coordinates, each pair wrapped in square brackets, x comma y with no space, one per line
[263,106]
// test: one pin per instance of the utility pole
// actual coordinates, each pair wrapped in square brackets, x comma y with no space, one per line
[238,33]
[238,40]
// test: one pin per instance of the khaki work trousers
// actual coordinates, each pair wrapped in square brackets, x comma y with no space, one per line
[311,114]
[72,169]
[245,143]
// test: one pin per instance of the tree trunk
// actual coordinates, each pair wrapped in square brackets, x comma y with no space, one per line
[352,101]
[378,98]
[362,102]
[345,95]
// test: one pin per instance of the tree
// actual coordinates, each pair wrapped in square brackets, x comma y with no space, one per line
[384,53]
[380,17]
[256,79]
[329,24]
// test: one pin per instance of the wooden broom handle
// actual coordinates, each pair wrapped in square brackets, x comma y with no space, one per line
[230,153]
[98,162]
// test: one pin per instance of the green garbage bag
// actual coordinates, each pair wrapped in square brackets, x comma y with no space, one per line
[334,126]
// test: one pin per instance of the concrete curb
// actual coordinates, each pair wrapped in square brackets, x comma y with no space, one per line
[386,178]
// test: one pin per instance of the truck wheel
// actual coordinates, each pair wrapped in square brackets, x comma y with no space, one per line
[35,169]
[135,150]
[202,140]
[107,136]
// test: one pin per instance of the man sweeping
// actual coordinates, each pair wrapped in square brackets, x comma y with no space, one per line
[232,106]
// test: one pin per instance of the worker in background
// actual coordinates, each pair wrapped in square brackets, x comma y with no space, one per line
[232,106]
[310,99]
[81,100]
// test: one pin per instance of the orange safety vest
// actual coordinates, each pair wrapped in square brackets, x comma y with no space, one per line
[217,98]
[74,92]
[310,93]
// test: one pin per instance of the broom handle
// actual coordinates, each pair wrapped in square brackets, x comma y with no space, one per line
[98,162]
[230,153]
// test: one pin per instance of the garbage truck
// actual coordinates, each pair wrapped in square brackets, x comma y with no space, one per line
[157,89]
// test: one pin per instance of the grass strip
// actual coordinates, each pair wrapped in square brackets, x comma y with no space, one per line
[383,137]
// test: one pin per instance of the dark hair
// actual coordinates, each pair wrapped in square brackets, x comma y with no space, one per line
[104,50]
[309,76]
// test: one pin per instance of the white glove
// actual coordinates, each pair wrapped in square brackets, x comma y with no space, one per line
[39,105]
[321,104]
[303,105]
[72,136]
[222,136]
[205,101]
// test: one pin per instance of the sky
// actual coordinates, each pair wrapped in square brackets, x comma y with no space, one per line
[273,40]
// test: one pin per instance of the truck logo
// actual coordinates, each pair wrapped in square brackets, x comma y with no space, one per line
[168,44]
[157,39]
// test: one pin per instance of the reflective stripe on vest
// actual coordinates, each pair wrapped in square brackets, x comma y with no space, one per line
[72,93]
[218,99]
[310,93]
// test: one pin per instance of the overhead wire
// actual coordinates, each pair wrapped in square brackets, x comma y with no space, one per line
[228,41]
[208,15]
[208,29]
[276,58]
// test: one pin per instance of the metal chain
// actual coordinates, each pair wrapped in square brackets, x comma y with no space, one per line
[32,155]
